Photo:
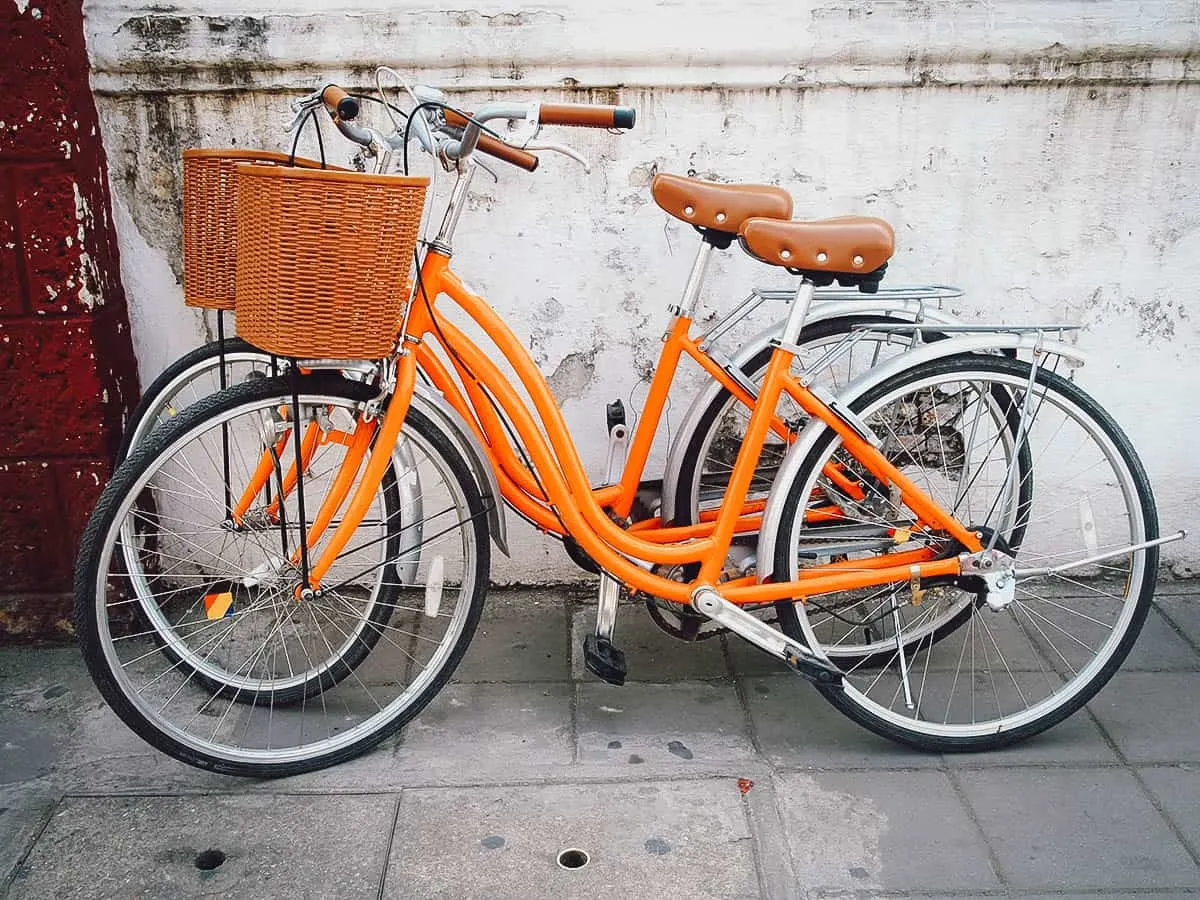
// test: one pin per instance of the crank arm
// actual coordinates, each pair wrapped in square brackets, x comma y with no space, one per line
[1100,557]
[707,602]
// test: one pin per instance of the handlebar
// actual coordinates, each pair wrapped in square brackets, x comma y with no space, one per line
[340,104]
[587,115]
[492,146]
[344,109]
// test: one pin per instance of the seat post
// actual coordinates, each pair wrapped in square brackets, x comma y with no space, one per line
[691,291]
[799,311]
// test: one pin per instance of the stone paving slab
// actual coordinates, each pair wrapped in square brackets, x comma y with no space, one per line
[667,839]
[497,726]
[662,723]
[747,661]
[104,755]
[19,824]
[1160,648]
[1152,716]
[882,831]
[1074,741]
[266,845]
[795,727]
[1063,829]
[469,733]
[1184,614]
[522,636]
[43,693]
[1177,789]
[30,745]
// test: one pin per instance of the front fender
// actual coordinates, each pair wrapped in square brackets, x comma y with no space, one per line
[791,467]
[442,414]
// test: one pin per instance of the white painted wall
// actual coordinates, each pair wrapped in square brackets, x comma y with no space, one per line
[1039,153]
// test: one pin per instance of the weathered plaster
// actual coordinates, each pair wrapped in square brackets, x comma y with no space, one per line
[1040,154]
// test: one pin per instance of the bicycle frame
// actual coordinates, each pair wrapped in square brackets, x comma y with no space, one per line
[569,505]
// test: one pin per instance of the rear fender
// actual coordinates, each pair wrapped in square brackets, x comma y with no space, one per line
[792,466]
[821,311]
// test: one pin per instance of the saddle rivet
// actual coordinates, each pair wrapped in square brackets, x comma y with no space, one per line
[687,210]
[785,254]
[822,257]
[720,217]
[858,261]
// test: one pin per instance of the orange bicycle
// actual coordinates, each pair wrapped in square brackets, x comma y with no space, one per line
[981,507]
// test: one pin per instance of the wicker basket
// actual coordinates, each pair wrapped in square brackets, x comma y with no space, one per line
[210,220]
[323,259]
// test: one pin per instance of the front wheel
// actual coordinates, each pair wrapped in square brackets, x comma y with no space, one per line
[190,379]
[233,672]
[1003,674]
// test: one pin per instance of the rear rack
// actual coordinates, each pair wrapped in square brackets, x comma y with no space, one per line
[937,293]
[910,298]
[1059,329]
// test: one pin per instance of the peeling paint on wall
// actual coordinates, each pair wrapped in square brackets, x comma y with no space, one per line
[574,375]
[68,374]
[1019,152]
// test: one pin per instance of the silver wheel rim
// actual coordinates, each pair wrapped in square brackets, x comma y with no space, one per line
[1083,677]
[342,739]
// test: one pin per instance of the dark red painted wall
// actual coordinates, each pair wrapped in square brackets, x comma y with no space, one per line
[67,370]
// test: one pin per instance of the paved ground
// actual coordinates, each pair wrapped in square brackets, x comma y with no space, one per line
[526,755]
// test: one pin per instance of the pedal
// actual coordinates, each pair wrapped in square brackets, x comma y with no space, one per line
[614,414]
[618,441]
[604,660]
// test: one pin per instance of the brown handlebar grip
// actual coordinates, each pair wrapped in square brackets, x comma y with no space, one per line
[510,154]
[492,147]
[339,103]
[586,115]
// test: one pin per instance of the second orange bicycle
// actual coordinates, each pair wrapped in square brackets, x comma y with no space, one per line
[288,571]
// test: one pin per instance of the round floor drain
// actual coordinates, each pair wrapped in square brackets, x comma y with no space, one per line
[573,858]
[208,860]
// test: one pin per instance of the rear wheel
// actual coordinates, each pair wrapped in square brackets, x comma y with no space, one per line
[234,673]
[190,379]
[849,626]
[1004,674]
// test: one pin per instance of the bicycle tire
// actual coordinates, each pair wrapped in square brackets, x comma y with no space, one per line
[113,674]
[1061,669]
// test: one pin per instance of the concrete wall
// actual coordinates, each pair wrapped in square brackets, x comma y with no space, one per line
[1041,154]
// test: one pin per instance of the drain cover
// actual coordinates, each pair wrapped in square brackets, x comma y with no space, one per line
[572,858]
[209,860]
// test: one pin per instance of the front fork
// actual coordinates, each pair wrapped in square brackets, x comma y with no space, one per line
[386,433]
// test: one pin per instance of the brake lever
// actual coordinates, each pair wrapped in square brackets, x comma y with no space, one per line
[570,152]
[302,107]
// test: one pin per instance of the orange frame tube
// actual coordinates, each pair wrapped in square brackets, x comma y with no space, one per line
[559,497]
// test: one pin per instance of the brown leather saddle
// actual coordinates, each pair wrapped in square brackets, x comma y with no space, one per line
[853,250]
[718,210]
